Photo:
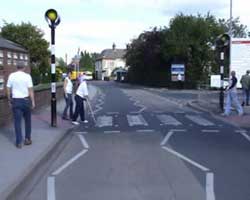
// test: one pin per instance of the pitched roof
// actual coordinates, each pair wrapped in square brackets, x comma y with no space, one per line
[7,44]
[112,54]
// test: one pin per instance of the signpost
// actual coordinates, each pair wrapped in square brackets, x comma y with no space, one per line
[177,72]
[240,57]
[53,20]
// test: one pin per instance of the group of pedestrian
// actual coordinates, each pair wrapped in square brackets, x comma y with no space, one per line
[21,99]
[81,95]
[232,97]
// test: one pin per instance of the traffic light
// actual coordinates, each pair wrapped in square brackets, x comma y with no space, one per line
[223,41]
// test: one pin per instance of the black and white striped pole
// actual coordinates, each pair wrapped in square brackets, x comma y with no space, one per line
[222,44]
[53,20]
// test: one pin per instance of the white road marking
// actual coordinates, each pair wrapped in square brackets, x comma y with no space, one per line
[145,131]
[136,120]
[112,132]
[199,120]
[168,120]
[169,134]
[69,162]
[103,121]
[186,159]
[83,141]
[84,132]
[245,135]
[210,195]
[210,131]
[165,140]
[51,194]
[113,113]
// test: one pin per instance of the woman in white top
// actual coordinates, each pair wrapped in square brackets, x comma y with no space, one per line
[68,89]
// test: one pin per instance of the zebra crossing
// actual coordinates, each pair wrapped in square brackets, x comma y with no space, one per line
[153,120]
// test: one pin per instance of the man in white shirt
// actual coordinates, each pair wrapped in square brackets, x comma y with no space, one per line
[80,97]
[21,97]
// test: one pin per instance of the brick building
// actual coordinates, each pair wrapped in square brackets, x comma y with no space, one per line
[10,54]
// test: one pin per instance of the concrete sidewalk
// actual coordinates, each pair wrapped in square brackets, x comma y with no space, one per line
[208,101]
[16,164]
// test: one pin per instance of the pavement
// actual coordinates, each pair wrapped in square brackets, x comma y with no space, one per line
[16,164]
[208,101]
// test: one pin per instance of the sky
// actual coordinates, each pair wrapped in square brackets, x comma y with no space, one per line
[94,25]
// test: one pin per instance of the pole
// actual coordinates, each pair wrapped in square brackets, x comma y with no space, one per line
[53,78]
[230,33]
[222,81]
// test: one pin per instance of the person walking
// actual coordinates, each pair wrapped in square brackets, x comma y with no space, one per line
[245,82]
[232,96]
[21,98]
[80,97]
[68,89]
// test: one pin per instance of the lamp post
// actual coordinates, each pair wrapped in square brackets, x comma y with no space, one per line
[53,20]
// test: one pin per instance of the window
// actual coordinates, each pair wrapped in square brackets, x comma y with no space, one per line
[1,54]
[9,62]
[25,63]
[25,57]
[21,56]
[14,62]
[15,56]
[9,55]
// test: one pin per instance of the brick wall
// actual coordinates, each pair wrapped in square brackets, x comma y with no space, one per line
[42,98]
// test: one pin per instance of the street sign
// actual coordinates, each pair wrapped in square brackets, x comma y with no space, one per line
[177,72]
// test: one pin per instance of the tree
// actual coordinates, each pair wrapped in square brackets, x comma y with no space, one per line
[238,30]
[188,39]
[87,61]
[31,38]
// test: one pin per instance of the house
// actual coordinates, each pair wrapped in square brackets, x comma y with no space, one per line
[108,61]
[10,54]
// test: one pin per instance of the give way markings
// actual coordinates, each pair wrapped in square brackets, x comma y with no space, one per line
[210,195]
[51,193]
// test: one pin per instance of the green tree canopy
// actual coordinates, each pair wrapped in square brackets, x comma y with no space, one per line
[188,39]
[87,61]
[31,38]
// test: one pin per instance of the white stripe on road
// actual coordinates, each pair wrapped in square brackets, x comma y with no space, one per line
[210,131]
[210,195]
[51,194]
[68,163]
[186,159]
[84,132]
[103,121]
[169,134]
[113,113]
[112,132]
[84,142]
[136,120]
[244,134]
[199,120]
[145,131]
[168,120]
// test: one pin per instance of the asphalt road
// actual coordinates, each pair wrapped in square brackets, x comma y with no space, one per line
[143,146]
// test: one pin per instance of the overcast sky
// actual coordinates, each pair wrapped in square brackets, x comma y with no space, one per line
[94,25]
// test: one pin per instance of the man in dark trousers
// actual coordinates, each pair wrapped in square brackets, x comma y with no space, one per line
[80,97]
[21,98]
[245,82]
